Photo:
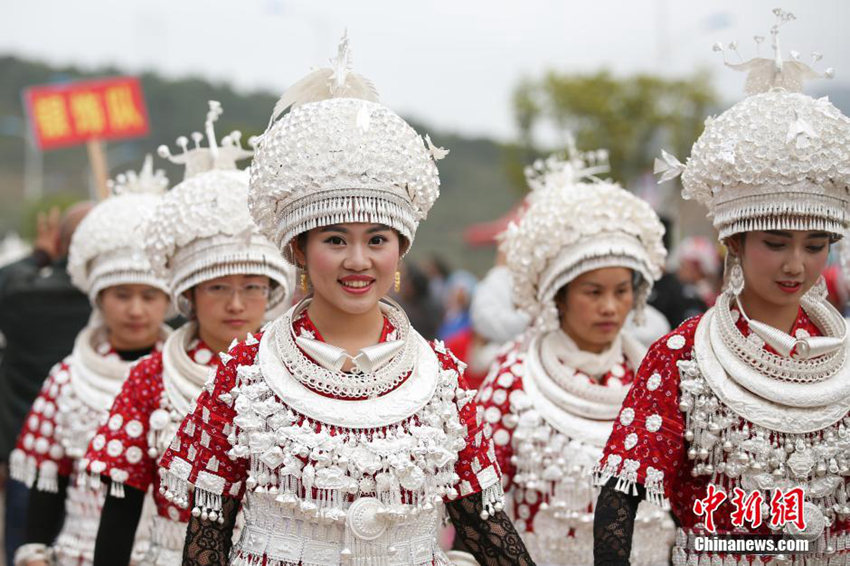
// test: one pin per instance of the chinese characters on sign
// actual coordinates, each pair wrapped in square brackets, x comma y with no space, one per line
[786,507]
[74,113]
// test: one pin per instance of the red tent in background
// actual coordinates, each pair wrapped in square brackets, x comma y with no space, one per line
[484,233]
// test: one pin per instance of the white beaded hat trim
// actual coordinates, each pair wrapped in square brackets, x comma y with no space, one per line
[588,254]
[222,255]
[328,207]
[111,274]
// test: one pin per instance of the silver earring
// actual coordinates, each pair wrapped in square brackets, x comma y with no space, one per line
[734,275]
[184,305]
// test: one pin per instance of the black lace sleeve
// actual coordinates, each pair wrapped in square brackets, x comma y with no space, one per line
[46,513]
[208,542]
[494,541]
[118,523]
[613,525]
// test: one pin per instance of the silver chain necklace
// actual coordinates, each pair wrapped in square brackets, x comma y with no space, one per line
[356,383]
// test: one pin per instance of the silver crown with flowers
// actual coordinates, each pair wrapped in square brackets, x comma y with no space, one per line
[201,229]
[779,159]
[577,223]
[339,156]
[106,248]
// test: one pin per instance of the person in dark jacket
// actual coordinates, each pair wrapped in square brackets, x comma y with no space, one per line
[676,302]
[41,313]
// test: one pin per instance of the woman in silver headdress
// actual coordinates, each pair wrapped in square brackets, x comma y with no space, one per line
[224,276]
[738,418]
[582,259]
[339,430]
[107,261]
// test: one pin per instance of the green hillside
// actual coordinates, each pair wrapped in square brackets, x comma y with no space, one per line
[475,184]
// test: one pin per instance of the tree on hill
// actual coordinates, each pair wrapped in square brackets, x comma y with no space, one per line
[631,116]
[474,186]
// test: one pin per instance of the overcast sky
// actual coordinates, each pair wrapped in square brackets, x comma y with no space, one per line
[450,63]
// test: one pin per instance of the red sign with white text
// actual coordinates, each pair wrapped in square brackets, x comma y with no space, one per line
[68,114]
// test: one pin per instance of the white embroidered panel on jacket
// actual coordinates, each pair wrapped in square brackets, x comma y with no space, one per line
[555,470]
[77,423]
[75,543]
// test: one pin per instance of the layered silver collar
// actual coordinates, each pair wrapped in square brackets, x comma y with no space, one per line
[777,392]
[380,368]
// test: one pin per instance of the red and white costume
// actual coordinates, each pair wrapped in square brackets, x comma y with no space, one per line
[105,251]
[740,440]
[141,424]
[550,404]
[732,402]
[200,230]
[328,465]
[547,446]
[326,469]
[63,419]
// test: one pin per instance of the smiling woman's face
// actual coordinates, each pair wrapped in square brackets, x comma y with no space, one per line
[351,266]
[780,266]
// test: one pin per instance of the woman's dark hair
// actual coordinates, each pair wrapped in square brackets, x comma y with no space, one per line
[667,238]
[441,266]
[300,244]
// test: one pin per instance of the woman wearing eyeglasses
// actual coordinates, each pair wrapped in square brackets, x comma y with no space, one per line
[224,277]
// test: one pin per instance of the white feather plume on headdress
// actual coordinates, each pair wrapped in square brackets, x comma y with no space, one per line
[336,81]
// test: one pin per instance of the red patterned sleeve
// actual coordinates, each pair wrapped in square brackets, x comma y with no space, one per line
[494,400]
[200,454]
[476,467]
[39,457]
[120,449]
[647,444]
